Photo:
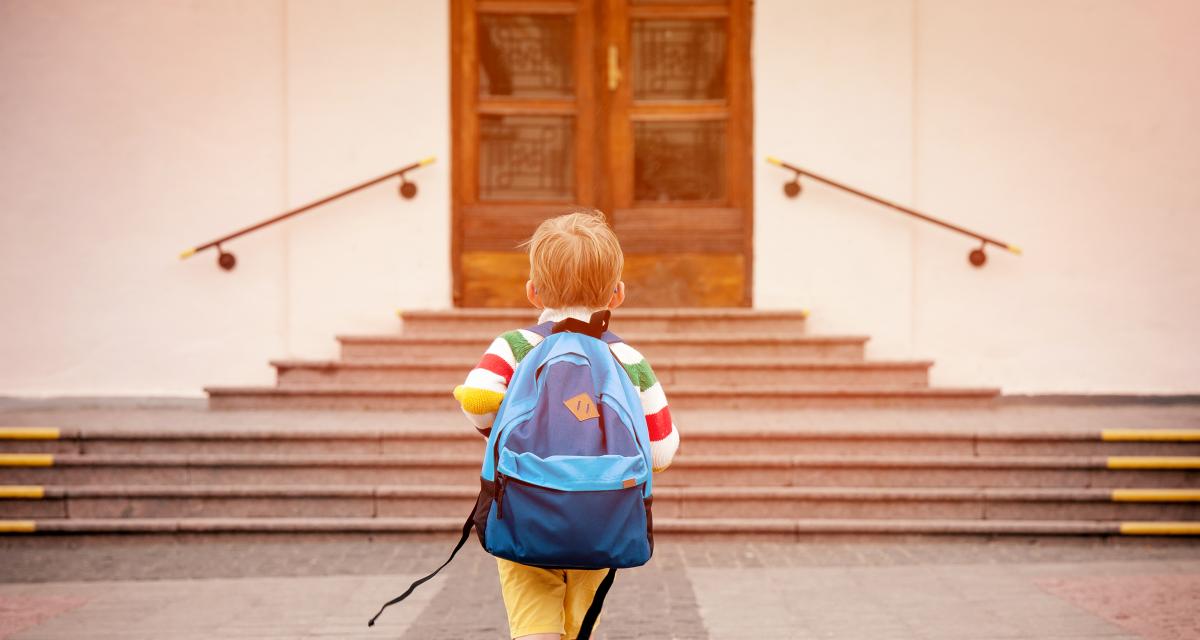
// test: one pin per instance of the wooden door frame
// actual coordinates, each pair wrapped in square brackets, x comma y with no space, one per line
[591,110]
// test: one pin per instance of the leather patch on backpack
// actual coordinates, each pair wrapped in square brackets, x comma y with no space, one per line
[628,483]
[582,407]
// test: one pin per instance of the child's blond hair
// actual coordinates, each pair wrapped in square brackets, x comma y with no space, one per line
[575,260]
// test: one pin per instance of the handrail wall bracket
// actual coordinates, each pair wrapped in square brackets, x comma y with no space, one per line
[227,261]
[977,257]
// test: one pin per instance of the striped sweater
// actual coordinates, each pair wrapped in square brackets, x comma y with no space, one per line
[482,392]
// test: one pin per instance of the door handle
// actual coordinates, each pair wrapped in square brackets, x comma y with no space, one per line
[614,67]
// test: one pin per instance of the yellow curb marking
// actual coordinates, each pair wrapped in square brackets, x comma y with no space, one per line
[1161,528]
[18,526]
[1156,495]
[26,459]
[28,492]
[29,433]
[1150,435]
[1154,462]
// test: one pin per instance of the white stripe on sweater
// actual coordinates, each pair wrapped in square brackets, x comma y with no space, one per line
[501,348]
[625,353]
[653,399]
[662,452]
[481,421]
[480,378]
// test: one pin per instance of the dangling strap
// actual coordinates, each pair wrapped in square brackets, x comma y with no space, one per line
[466,533]
[595,328]
[593,612]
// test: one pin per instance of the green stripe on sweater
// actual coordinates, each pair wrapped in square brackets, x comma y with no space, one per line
[519,345]
[641,374]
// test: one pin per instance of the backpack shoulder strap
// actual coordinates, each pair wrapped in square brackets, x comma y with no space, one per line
[466,533]
[593,611]
[597,327]
[543,329]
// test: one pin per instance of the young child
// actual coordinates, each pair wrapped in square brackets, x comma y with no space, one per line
[575,266]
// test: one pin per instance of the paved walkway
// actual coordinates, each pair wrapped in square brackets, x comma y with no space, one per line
[267,587]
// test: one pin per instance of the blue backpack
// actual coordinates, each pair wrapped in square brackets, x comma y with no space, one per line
[566,478]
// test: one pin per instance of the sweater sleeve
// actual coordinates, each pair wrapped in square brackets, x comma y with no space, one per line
[482,392]
[664,436]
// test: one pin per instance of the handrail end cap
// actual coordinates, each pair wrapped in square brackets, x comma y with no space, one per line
[187,253]
[1015,249]
[775,161]
[427,161]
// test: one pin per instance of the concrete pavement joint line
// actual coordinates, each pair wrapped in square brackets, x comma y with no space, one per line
[241,607]
[30,433]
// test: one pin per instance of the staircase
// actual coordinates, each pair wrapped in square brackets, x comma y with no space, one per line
[761,470]
[726,482]
[723,358]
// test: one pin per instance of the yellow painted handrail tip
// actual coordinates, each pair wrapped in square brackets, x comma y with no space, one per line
[804,313]
[429,160]
[1016,250]
[187,253]
[775,161]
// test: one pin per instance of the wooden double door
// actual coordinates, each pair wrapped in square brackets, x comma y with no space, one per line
[640,109]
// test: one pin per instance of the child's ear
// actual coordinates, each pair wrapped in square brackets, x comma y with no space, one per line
[531,294]
[618,296]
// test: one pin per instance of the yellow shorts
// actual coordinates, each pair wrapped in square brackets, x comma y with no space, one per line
[546,600]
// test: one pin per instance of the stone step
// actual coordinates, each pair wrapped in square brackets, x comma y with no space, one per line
[414,397]
[367,501]
[688,470]
[709,441]
[682,371]
[626,319]
[703,528]
[655,346]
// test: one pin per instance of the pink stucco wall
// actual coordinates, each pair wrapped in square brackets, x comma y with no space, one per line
[132,130]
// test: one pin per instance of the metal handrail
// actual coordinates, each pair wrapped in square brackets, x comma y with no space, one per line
[977,257]
[227,261]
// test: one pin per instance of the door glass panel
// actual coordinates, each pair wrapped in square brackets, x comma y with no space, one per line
[526,56]
[526,157]
[679,161]
[678,59]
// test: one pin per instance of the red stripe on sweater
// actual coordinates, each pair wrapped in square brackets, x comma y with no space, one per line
[496,365]
[659,424]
